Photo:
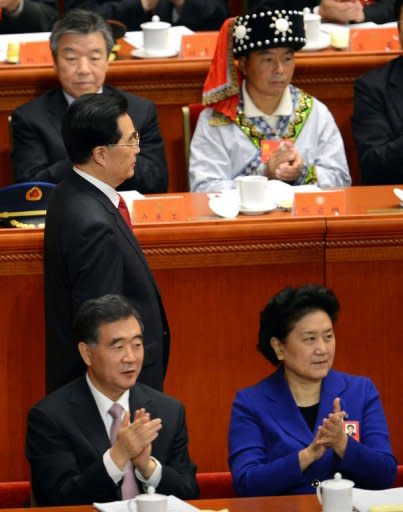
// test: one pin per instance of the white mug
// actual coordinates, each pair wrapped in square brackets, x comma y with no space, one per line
[253,191]
[152,503]
[336,495]
[155,36]
[312,27]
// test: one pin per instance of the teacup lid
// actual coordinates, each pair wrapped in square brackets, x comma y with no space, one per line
[151,495]
[155,24]
[337,483]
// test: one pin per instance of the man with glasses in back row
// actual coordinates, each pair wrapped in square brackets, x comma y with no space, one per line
[81,42]
[90,249]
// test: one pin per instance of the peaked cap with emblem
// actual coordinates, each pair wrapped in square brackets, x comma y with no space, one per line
[23,205]
[271,28]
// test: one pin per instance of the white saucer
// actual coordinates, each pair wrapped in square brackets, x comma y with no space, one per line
[250,211]
[322,43]
[140,54]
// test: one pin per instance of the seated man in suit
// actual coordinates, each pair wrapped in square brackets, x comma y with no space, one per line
[378,120]
[105,436]
[194,14]
[26,16]
[81,43]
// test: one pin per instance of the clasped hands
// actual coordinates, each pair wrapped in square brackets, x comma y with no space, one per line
[134,441]
[285,163]
[149,5]
[342,11]
[330,434]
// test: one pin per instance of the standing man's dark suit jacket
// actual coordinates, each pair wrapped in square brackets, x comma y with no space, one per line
[89,252]
[195,14]
[66,439]
[39,153]
[378,124]
[36,16]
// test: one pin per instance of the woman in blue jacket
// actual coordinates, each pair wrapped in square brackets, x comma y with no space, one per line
[291,429]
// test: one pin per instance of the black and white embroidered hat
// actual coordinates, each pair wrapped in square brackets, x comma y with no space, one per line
[268,28]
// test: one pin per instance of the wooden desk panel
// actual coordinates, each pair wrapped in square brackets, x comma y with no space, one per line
[172,83]
[302,503]
[215,276]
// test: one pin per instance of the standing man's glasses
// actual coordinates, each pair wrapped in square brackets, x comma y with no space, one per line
[135,143]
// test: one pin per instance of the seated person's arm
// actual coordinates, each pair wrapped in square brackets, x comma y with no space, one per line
[380,147]
[27,15]
[57,474]
[201,14]
[381,11]
[216,158]
[328,154]
[341,11]
[370,462]
[261,462]
[178,471]
[30,158]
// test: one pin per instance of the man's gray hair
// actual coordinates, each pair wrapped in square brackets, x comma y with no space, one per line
[80,21]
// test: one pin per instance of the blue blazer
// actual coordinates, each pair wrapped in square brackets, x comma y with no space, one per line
[267,430]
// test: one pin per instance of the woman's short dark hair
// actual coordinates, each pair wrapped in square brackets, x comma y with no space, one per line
[103,310]
[91,121]
[286,308]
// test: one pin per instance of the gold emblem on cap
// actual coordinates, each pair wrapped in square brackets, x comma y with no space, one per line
[34,194]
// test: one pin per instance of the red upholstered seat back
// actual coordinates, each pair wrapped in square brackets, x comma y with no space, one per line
[15,494]
[215,485]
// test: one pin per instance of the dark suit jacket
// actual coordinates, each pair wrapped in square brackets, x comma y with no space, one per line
[66,439]
[39,153]
[90,251]
[378,124]
[36,16]
[267,430]
[195,14]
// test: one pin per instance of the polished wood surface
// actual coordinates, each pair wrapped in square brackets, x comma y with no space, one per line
[303,503]
[172,83]
[215,275]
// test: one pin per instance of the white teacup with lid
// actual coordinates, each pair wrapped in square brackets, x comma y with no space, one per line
[312,26]
[151,501]
[155,36]
[336,495]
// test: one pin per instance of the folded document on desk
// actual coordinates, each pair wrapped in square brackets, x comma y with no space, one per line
[174,505]
[378,501]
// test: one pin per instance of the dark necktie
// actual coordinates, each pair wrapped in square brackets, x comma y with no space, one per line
[129,484]
[124,212]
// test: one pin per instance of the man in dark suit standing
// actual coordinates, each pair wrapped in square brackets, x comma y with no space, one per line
[378,119]
[90,249]
[81,42]
[104,436]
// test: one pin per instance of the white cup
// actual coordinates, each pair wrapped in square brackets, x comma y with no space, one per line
[253,191]
[312,27]
[152,503]
[155,36]
[336,495]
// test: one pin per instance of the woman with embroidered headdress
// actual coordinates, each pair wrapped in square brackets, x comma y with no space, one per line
[256,121]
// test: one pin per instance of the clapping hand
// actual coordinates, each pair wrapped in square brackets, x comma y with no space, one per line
[331,433]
